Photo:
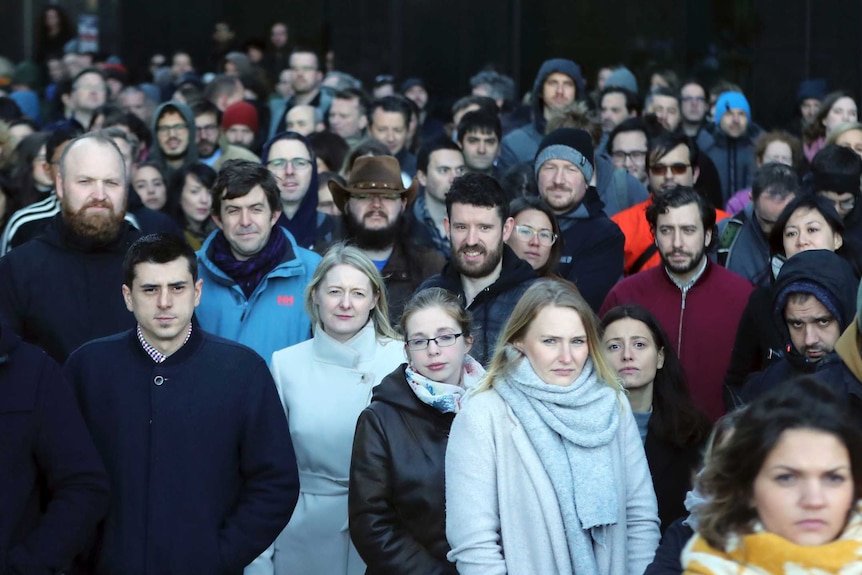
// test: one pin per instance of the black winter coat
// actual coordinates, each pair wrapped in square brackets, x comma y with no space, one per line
[672,469]
[53,487]
[396,500]
[492,306]
[667,556]
[60,290]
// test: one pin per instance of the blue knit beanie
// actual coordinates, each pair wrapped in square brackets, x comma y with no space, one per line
[731,101]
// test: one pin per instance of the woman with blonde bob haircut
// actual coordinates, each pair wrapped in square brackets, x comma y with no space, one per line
[324,384]
[545,468]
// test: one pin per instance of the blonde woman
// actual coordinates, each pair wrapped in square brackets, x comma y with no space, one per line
[545,469]
[324,384]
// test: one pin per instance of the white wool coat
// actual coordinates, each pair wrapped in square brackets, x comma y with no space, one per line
[502,515]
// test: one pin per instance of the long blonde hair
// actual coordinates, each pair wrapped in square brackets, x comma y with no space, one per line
[341,253]
[547,293]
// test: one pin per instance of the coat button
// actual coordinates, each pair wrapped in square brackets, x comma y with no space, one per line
[158,380]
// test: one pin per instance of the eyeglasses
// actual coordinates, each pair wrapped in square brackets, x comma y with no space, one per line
[209,128]
[526,233]
[635,155]
[279,164]
[441,340]
[172,128]
[676,169]
[369,197]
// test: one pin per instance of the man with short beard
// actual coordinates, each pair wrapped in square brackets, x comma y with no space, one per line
[592,255]
[58,290]
[483,271]
[174,129]
[696,301]
[213,147]
[373,203]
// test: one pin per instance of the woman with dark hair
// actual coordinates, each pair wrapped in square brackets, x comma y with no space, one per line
[53,31]
[190,202]
[809,222]
[536,235]
[783,490]
[33,181]
[836,108]
[148,181]
[672,428]
[396,496]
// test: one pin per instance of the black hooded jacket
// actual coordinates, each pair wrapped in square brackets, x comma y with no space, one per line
[492,306]
[396,500]
[829,272]
[60,290]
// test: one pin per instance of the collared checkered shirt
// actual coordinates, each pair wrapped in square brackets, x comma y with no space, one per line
[157,356]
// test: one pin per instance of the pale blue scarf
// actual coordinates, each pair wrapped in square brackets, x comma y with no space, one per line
[571,429]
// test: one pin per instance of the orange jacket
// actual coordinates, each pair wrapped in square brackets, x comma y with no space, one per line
[632,221]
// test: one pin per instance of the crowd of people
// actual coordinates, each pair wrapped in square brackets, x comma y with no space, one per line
[256,317]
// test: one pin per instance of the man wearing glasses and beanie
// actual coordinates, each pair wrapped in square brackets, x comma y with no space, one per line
[592,255]
[671,162]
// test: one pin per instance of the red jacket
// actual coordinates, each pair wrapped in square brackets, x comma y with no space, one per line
[701,324]
[639,237]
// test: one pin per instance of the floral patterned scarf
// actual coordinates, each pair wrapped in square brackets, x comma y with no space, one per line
[444,397]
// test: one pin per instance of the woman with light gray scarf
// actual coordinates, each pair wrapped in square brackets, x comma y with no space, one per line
[545,468]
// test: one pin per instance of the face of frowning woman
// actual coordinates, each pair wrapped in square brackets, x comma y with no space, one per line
[345,299]
[632,352]
[441,360]
[532,238]
[804,490]
[556,345]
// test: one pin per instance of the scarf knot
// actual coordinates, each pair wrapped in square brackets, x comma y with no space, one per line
[572,429]
[249,273]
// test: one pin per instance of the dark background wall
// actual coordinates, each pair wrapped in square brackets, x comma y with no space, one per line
[768,46]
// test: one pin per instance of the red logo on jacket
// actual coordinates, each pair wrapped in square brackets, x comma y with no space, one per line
[285,300]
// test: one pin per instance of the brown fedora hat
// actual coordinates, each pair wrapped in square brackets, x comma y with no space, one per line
[372,175]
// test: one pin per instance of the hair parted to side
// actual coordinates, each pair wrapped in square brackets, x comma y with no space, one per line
[727,481]
[546,293]
[437,297]
[237,178]
[341,253]
[158,248]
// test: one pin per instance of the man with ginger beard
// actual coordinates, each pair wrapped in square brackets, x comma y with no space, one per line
[483,271]
[58,290]
[373,203]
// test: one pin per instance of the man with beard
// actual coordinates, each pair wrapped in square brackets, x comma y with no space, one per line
[213,147]
[373,203]
[58,290]
[292,162]
[174,128]
[592,255]
[483,271]
[671,162]
[697,302]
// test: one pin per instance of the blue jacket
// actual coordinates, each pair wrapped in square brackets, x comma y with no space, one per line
[273,317]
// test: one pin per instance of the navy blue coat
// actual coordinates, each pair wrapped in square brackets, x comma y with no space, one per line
[53,487]
[198,451]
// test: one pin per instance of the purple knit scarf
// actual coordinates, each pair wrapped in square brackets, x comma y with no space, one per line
[250,272]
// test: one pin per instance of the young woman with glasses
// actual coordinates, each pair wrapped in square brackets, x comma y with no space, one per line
[396,500]
[536,237]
